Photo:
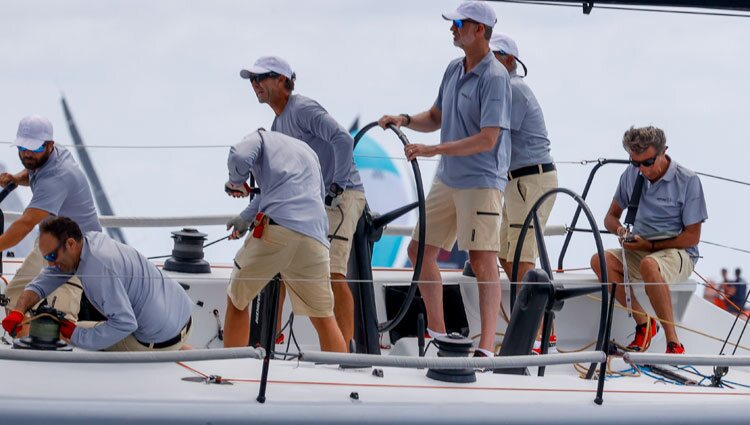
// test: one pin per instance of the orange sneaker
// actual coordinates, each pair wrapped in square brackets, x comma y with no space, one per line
[642,340]
[280,339]
[675,348]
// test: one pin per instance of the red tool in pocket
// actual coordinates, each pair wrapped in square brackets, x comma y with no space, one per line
[259,225]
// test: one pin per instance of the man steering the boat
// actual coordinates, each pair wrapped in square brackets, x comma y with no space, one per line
[289,234]
[304,119]
[145,309]
[663,245]
[58,187]
[472,111]
[532,172]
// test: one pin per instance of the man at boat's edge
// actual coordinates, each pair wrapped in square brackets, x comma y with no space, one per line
[145,309]
[289,234]
[666,232]
[58,187]
[472,111]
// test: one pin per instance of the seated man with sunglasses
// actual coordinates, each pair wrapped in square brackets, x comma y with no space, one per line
[58,187]
[663,247]
[145,309]
[304,119]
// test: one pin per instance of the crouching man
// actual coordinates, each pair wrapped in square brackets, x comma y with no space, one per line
[145,309]
[666,232]
[289,235]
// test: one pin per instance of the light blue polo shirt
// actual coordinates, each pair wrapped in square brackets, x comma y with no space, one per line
[134,296]
[304,119]
[528,133]
[60,188]
[675,201]
[288,174]
[469,102]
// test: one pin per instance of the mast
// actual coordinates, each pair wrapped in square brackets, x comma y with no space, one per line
[100,197]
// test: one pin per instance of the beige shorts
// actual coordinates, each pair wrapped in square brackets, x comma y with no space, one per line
[341,226]
[470,215]
[66,298]
[302,262]
[675,265]
[130,343]
[520,195]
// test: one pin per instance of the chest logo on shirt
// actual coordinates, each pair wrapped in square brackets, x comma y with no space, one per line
[665,200]
[466,95]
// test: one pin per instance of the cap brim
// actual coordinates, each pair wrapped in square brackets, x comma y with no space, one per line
[450,16]
[254,70]
[27,143]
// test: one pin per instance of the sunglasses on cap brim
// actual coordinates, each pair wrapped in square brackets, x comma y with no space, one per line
[257,78]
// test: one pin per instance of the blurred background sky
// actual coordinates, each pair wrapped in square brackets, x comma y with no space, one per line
[165,72]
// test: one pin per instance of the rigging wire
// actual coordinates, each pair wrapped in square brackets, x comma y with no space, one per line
[629,8]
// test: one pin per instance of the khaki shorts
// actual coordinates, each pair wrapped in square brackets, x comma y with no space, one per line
[470,215]
[341,226]
[520,195]
[302,262]
[67,298]
[130,343]
[675,265]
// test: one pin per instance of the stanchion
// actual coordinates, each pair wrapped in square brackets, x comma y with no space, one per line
[270,343]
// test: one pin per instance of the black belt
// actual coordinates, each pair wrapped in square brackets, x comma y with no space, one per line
[169,342]
[531,169]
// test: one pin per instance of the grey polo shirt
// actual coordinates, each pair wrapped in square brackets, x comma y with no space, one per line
[468,103]
[288,174]
[134,296]
[669,205]
[528,133]
[304,119]
[60,188]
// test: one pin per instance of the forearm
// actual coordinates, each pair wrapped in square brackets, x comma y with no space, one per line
[683,241]
[612,224]
[27,300]
[15,234]
[478,143]
[22,178]
[425,122]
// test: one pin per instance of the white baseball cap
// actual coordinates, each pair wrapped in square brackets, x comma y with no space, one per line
[33,131]
[503,42]
[478,11]
[267,64]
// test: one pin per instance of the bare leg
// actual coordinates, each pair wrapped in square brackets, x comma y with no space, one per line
[329,334]
[343,307]
[484,264]
[236,326]
[523,268]
[660,298]
[432,292]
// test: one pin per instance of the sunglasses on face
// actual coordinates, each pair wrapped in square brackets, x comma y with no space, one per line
[257,78]
[459,23]
[52,256]
[40,149]
[645,163]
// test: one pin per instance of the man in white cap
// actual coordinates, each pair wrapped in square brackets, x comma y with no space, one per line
[304,119]
[532,172]
[58,187]
[472,111]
